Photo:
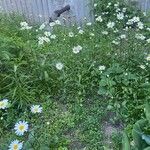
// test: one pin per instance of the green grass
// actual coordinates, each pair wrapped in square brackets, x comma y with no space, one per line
[78,100]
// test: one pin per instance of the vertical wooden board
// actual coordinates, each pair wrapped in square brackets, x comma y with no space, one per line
[3,6]
[40,11]
[46,9]
[35,11]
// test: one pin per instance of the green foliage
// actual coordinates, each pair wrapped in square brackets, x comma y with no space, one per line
[103,78]
[140,137]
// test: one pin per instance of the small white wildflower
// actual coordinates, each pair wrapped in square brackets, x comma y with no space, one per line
[110,24]
[21,127]
[148,29]
[148,40]
[140,25]
[142,67]
[58,22]
[123,36]
[115,42]
[42,26]
[95,5]
[4,104]
[25,26]
[48,123]
[136,19]
[81,31]
[105,32]
[36,109]
[116,31]
[101,68]
[77,49]
[52,24]
[53,36]
[140,37]
[15,145]
[116,5]
[46,39]
[47,33]
[92,34]
[120,16]
[124,9]
[59,66]
[99,19]
[71,34]
[89,24]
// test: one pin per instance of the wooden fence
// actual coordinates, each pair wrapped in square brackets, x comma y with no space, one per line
[41,10]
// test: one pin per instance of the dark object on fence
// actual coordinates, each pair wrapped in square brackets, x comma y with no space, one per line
[57,13]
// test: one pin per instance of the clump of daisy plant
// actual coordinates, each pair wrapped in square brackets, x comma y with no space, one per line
[21,127]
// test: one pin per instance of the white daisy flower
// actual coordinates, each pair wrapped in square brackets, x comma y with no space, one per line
[140,25]
[15,145]
[99,19]
[92,34]
[52,24]
[136,19]
[53,36]
[110,24]
[148,40]
[3,104]
[120,16]
[42,26]
[105,32]
[81,31]
[25,26]
[58,22]
[36,109]
[47,33]
[89,24]
[77,49]
[95,5]
[148,29]
[123,36]
[115,42]
[140,37]
[142,67]
[124,9]
[21,127]
[101,68]
[59,66]
[71,34]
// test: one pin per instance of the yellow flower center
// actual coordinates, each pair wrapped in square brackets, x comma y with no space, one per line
[36,109]
[15,147]
[1,104]
[21,127]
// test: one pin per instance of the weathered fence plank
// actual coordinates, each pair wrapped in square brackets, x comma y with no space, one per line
[41,10]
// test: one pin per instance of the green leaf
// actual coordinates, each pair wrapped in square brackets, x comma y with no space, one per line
[125,142]
[147,111]
[137,134]
[146,138]
[148,148]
